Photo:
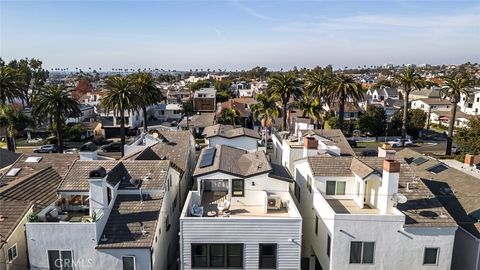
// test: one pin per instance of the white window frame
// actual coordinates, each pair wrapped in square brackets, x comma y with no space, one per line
[336,186]
[134,261]
[16,252]
[361,254]
[436,259]
[60,256]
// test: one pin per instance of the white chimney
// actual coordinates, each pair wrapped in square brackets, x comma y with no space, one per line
[386,151]
[98,190]
[310,146]
[88,151]
[389,186]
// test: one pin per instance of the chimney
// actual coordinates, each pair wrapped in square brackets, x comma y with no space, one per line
[310,147]
[98,189]
[386,151]
[469,160]
[389,186]
[88,151]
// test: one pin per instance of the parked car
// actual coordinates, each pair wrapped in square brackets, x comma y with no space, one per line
[48,148]
[398,142]
[352,143]
[369,153]
[112,147]
[71,151]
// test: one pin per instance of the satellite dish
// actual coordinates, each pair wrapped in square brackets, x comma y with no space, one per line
[155,135]
[400,198]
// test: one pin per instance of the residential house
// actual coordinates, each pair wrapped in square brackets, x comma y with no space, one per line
[87,112]
[197,122]
[111,122]
[240,214]
[166,112]
[240,137]
[205,100]
[456,187]
[426,93]
[471,104]
[431,104]
[383,93]
[242,106]
[352,110]
[242,89]
[439,111]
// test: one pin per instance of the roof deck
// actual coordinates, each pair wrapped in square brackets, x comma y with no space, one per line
[350,207]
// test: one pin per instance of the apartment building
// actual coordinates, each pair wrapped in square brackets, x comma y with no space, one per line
[240,214]
[205,100]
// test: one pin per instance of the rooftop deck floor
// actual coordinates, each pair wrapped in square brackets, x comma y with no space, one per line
[350,207]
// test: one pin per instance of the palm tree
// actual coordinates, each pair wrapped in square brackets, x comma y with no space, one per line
[286,86]
[409,80]
[265,110]
[11,84]
[344,88]
[13,120]
[120,97]
[453,88]
[149,94]
[188,110]
[318,83]
[56,101]
[229,116]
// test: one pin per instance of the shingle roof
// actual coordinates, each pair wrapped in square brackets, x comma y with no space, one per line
[228,131]
[361,169]
[7,158]
[466,189]
[12,213]
[336,136]
[199,120]
[128,217]
[235,161]
[329,166]
[435,101]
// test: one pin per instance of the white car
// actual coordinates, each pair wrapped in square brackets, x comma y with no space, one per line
[398,142]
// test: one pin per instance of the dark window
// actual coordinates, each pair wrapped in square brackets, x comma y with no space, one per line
[128,262]
[362,252]
[335,188]
[109,195]
[309,183]
[238,187]
[217,255]
[268,256]
[438,168]
[329,243]
[330,188]
[60,260]
[298,191]
[316,225]
[167,223]
[430,256]
[12,253]
[419,160]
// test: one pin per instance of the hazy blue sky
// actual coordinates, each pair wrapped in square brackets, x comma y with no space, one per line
[184,34]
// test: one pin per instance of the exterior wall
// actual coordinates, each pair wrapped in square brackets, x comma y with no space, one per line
[204,104]
[250,232]
[243,142]
[277,154]
[18,238]
[419,104]
[466,251]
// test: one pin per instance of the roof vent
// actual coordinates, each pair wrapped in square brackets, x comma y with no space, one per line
[104,238]
[135,182]
[2,218]
[33,159]
[98,172]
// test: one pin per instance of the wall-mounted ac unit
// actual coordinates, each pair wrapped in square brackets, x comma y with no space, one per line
[274,202]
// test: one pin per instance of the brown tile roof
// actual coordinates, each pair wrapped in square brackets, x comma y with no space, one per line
[361,169]
[330,166]
[349,107]
[336,136]
[118,171]
[235,161]
[128,217]
[228,131]
[458,192]
[59,162]
[12,212]
[239,104]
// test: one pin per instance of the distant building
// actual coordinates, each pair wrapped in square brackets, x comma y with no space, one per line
[204,100]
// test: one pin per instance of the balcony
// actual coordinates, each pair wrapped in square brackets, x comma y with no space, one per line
[350,207]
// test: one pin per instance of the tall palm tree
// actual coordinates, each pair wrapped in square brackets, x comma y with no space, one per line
[318,83]
[11,84]
[344,88]
[12,119]
[229,116]
[55,100]
[453,88]
[265,110]
[409,80]
[149,93]
[285,85]
[120,97]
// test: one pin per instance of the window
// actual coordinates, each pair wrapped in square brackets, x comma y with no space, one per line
[60,260]
[335,188]
[437,168]
[362,252]
[329,242]
[174,204]
[267,256]
[128,262]
[167,223]
[238,187]
[316,225]
[12,253]
[430,256]
[297,191]
[309,183]
[217,255]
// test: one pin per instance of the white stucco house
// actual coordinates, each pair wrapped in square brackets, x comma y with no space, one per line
[240,215]
[471,104]
[163,111]
[243,138]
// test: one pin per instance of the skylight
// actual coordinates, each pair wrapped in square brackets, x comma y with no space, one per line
[438,168]
[33,159]
[13,172]
[419,160]
[207,157]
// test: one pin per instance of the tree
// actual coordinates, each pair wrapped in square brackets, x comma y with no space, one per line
[372,121]
[120,97]
[188,110]
[11,84]
[265,110]
[56,101]
[229,116]
[416,119]
[286,86]
[467,138]
[148,92]
[34,77]
[198,85]
[453,88]
[13,120]
[344,88]
[310,106]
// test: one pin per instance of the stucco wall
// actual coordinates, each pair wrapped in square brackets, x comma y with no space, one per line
[246,143]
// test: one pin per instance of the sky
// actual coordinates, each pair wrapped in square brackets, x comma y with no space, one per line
[239,34]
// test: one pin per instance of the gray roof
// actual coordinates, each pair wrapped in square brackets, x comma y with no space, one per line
[7,158]
[235,161]
[466,189]
[209,92]
[435,101]
[228,131]
[337,137]
[199,120]
[128,217]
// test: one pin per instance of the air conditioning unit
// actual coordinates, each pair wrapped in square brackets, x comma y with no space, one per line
[274,203]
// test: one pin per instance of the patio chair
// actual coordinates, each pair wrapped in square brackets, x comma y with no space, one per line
[196,211]
[223,206]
